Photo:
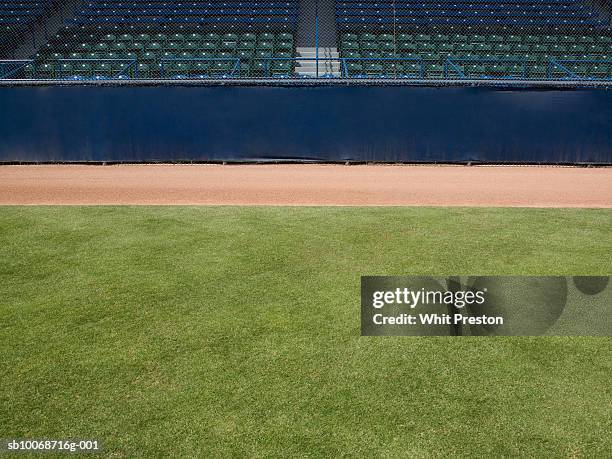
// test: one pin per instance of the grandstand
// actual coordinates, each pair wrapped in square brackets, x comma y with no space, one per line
[343,39]
[475,39]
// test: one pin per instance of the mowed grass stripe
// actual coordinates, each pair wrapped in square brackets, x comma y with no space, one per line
[235,331]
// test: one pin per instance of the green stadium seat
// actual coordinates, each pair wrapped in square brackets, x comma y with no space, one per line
[219,68]
[474,71]
[65,69]
[228,45]
[245,55]
[173,46]
[367,37]
[263,54]
[349,46]
[435,71]
[281,68]
[371,55]
[412,69]
[386,37]
[374,70]
[464,48]
[369,46]
[118,47]
[103,69]
[540,48]
[153,46]
[208,46]
[283,45]
[248,37]
[212,37]
[265,45]
[407,47]
[266,37]
[136,46]
[601,71]
[568,39]
[144,70]
[44,71]
[148,56]
[428,47]
[388,47]
[201,68]
[83,69]
[353,69]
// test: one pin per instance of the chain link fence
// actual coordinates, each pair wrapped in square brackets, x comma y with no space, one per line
[260,40]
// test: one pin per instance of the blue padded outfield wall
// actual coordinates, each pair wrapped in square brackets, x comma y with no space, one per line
[331,123]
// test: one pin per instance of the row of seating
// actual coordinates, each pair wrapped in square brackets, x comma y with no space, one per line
[232,68]
[175,12]
[469,12]
[68,42]
[23,13]
[512,39]
[162,68]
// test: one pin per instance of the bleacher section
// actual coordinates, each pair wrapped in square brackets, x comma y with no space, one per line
[372,15]
[407,39]
[173,39]
[476,55]
[250,14]
[19,17]
[536,39]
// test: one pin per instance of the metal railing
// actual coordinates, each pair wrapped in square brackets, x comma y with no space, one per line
[342,68]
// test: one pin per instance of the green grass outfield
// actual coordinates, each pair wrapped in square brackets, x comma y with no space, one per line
[230,331]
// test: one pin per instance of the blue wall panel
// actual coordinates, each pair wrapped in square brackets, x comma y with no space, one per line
[304,123]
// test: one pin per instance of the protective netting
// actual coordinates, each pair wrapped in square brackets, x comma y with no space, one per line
[305,39]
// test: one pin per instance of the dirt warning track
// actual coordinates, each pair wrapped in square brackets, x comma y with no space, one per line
[367,185]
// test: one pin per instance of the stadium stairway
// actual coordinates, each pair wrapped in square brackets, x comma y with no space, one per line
[328,66]
[317,27]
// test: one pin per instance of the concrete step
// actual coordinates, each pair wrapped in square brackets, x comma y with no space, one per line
[328,61]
